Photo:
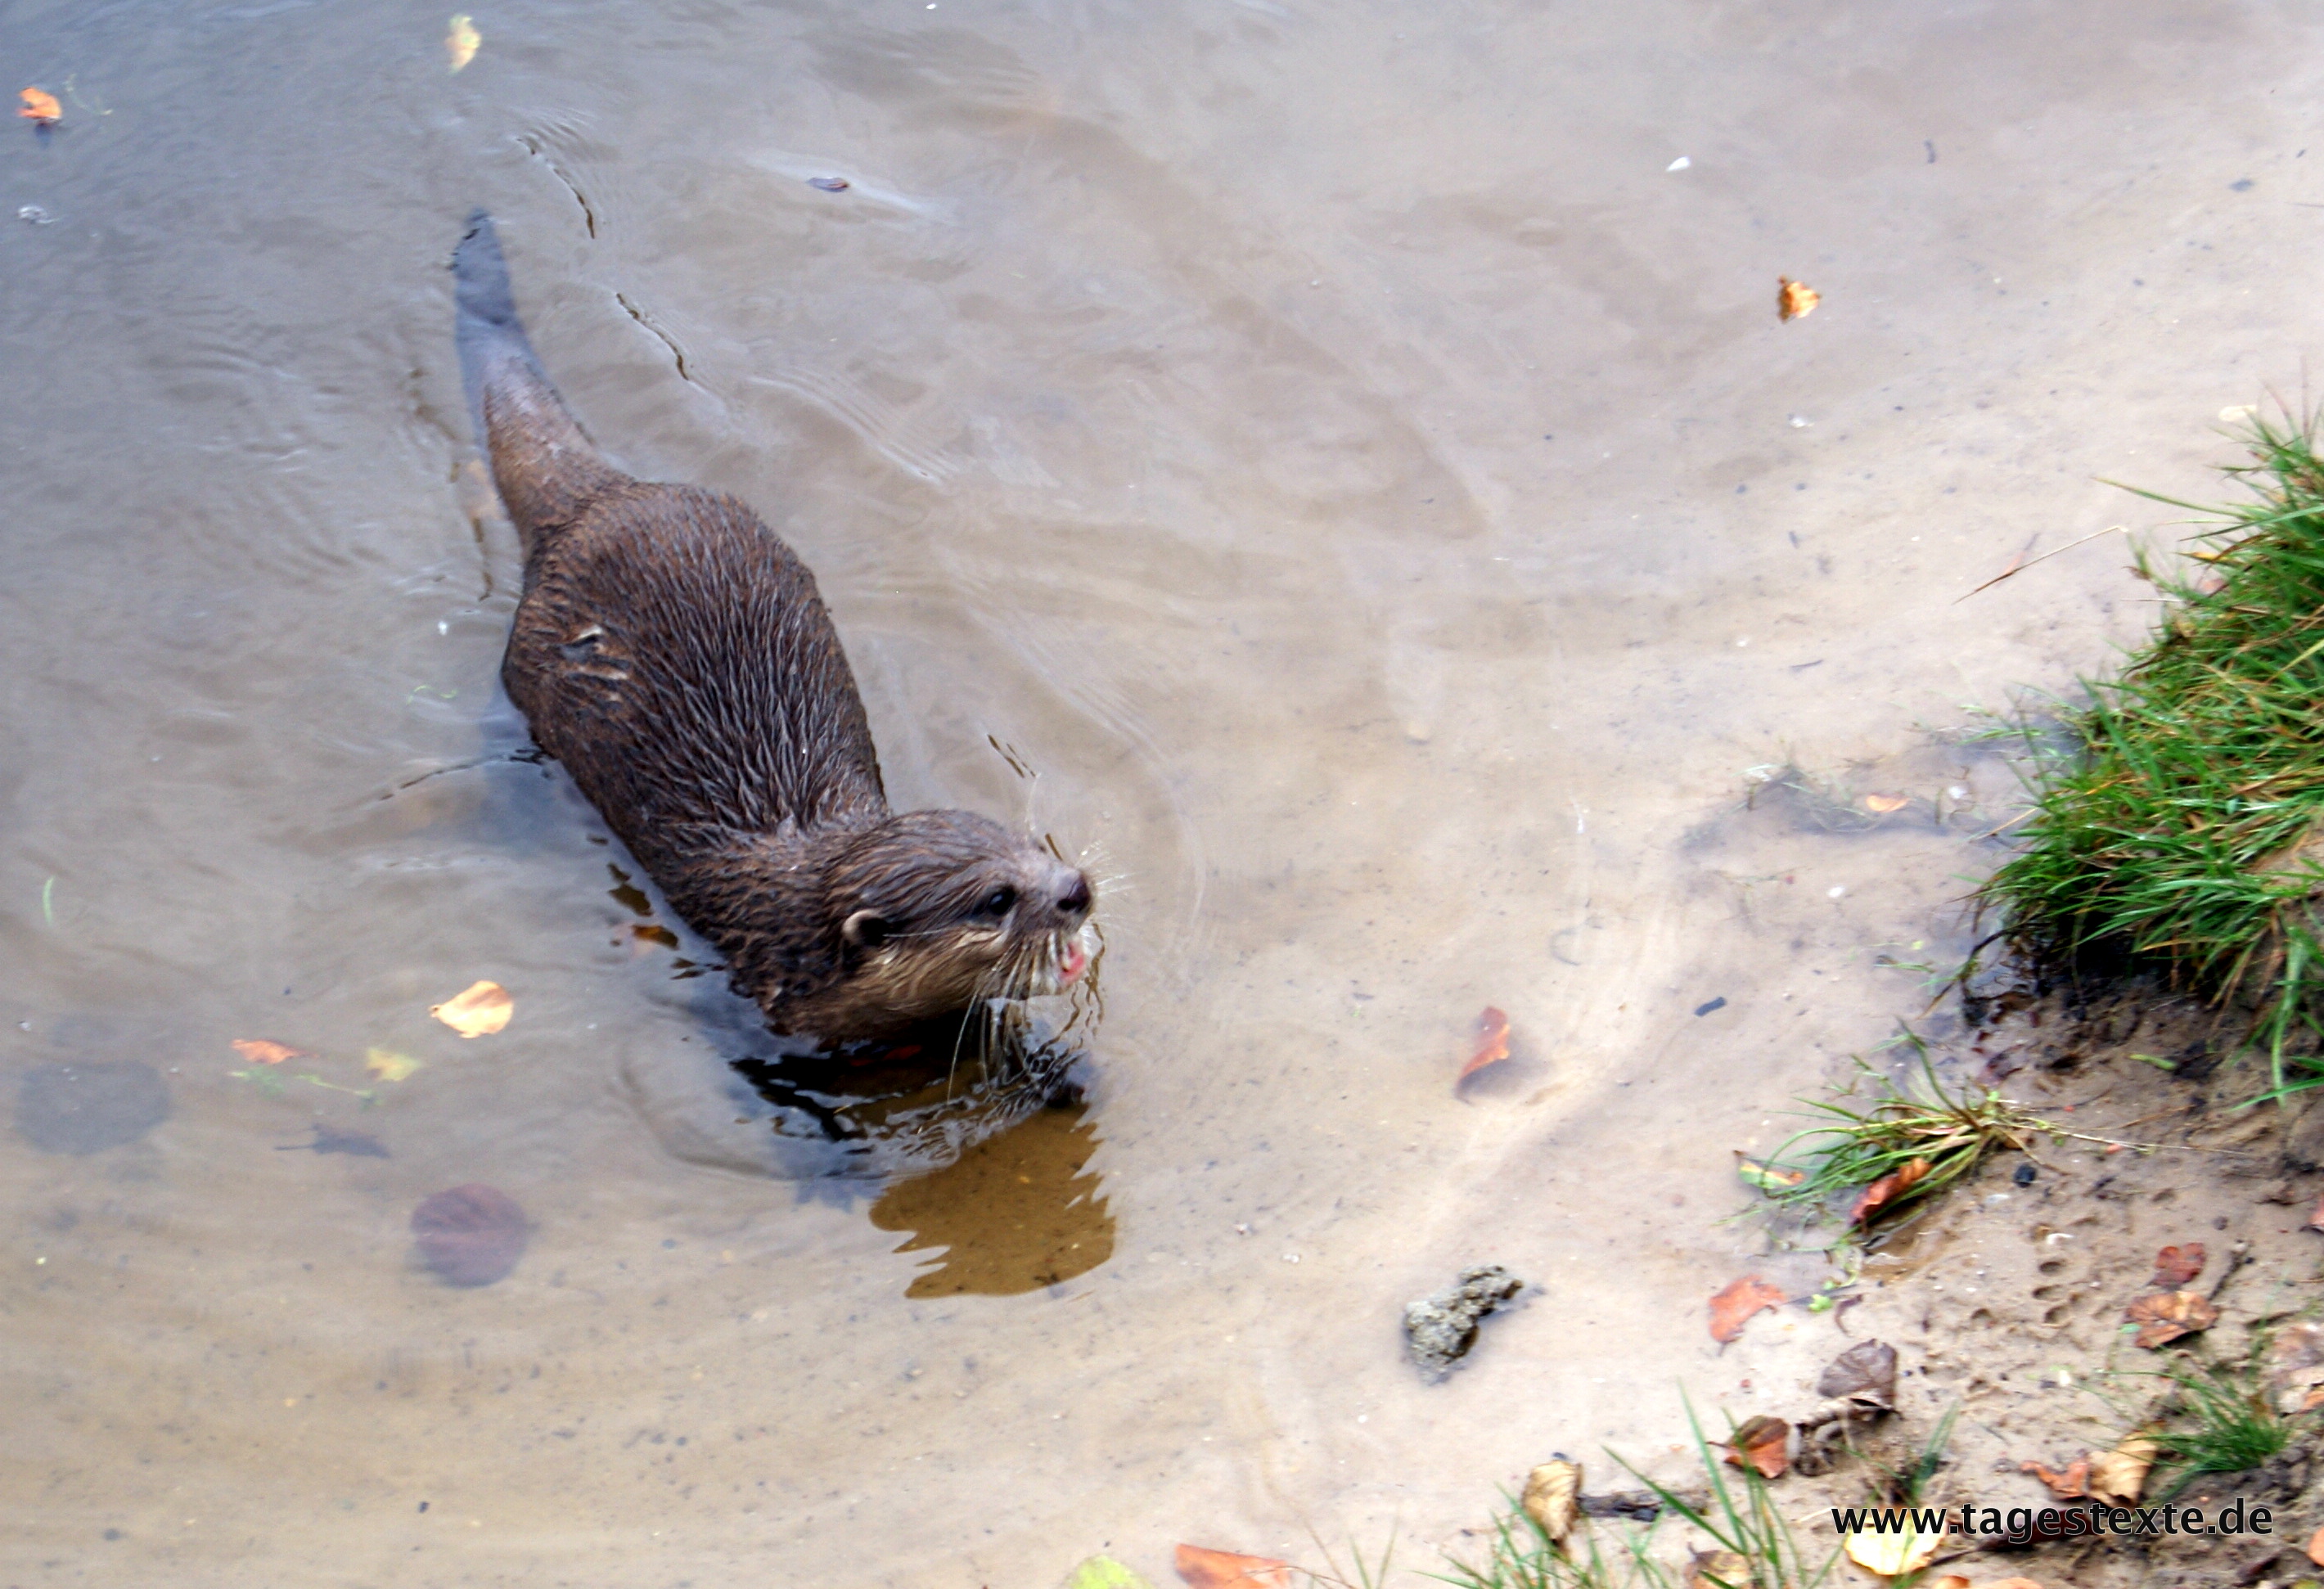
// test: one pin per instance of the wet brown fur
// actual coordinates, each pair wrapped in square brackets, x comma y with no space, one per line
[676,656]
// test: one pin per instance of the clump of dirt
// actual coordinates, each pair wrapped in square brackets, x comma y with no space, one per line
[1439,1328]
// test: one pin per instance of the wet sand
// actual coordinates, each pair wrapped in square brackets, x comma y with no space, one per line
[1370,492]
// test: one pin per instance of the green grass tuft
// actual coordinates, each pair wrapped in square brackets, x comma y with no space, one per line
[2189,834]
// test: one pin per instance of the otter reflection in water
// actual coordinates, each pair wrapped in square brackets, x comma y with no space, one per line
[674,654]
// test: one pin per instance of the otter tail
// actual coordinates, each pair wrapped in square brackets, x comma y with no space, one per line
[547,468]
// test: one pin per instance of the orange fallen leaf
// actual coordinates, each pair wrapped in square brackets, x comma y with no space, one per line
[1733,1307]
[2069,1485]
[1223,1569]
[1888,1189]
[1794,299]
[2316,1548]
[476,1010]
[1761,1442]
[461,40]
[41,106]
[2166,1315]
[1884,804]
[2175,1266]
[1492,1044]
[259,1051]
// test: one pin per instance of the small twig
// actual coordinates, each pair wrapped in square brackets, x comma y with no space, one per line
[2015,569]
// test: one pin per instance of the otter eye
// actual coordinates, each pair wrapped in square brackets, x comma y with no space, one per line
[999,902]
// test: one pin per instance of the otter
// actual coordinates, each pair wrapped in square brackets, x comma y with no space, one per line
[675,655]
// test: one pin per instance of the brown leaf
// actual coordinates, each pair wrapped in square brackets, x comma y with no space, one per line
[2069,1485]
[41,106]
[1553,1498]
[1222,1569]
[1794,299]
[1734,1306]
[2175,1266]
[1492,1044]
[477,1010]
[1764,1443]
[2164,1317]
[2117,1476]
[259,1051]
[1889,1187]
[1866,1375]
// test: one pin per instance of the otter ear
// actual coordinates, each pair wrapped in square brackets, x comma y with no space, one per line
[866,930]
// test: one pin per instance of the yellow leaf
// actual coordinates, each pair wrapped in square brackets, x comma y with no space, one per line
[480,1008]
[390,1065]
[1892,1555]
[463,42]
[1553,1498]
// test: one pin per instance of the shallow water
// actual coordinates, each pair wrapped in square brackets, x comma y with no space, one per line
[1317,458]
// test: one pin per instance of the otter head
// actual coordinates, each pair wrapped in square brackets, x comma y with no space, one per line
[937,911]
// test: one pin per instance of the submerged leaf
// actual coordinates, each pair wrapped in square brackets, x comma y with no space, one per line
[1103,1572]
[390,1065]
[1223,1569]
[1768,1177]
[1492,1044]
[1733,1307]
[476,1011]
[461,40]
[1884,804]
[259,1051]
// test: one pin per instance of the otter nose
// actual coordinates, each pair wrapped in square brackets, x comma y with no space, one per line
[1073,899]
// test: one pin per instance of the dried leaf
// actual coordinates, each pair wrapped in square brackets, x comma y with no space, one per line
[2316,1220]
[479,1009]
[1222,1569]
[2069,1485]
[2164,1317]
[1763,1442]
[1553,1498]
[2117,1476]
[259,1052]
[1884,804]
[1492,1044]
[1734,1306]
[1103,1572]
[1865,1374]
[1888,1189]
[1892,1555]
[1767,1176]
[462,41]
[390,1065]
[1719,1569]
[2316,1548]
[41,106]
[1794,299]
[2175,1266]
